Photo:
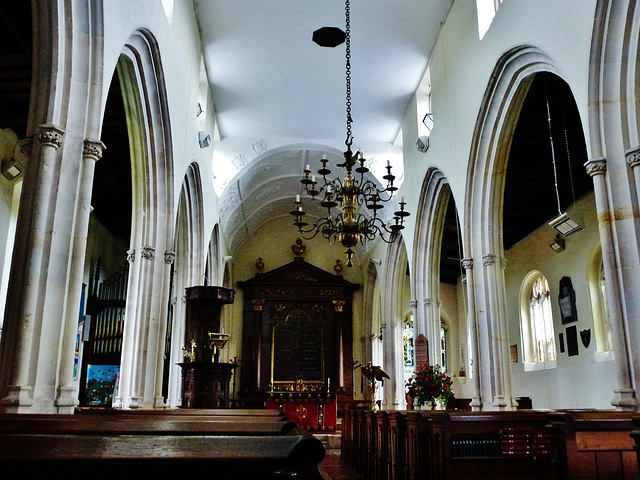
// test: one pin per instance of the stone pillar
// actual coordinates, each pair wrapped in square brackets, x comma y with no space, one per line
[624,394]
[67,398]
[476,398]
[432,320]
[21,319]
[496,332]
[414,309]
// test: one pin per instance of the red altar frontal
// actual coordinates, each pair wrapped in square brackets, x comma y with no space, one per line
[315,413]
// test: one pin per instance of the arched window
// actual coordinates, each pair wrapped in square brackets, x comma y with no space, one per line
[601,323]
[538,342]
[443,346]
[407,341]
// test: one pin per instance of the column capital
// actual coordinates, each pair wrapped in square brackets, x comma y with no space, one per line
[596,166]
[258,304]
[467,263]
[489,259]
[93,149]
[632,156]
[131,255]
[148,252]
[51,135]
[413,303]
[169,257]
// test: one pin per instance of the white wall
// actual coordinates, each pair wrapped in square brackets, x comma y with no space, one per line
[579,381]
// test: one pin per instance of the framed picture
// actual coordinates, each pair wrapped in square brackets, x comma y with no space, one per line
[514,353]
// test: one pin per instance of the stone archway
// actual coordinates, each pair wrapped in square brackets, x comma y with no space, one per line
[483,243]
[150,254]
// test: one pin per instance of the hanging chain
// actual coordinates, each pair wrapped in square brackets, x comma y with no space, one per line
[349,139]
[553,154]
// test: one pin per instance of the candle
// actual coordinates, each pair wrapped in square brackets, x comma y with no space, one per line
[297,198]
[313,178]
[328,382]
[308,168]
[402,199]
[324,156]
[388,163]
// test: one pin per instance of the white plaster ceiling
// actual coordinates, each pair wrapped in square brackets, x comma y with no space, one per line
[276,89]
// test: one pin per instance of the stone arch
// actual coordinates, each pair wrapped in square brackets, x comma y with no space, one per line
[150,255]
[495,124]
[432,207]
[212,274]
[188,269]
[370,344]
[391,286]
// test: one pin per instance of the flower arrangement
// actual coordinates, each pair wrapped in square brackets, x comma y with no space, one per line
[430,384]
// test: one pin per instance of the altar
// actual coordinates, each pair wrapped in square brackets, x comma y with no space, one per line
[315,413]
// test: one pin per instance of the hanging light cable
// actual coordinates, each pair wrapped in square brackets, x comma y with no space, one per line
[348,224]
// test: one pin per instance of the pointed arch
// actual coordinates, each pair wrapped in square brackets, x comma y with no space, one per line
[495,125]
[151,246]
[427,244]
[188,269]
[395,270]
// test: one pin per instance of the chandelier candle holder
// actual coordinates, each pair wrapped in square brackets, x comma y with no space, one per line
[346,199]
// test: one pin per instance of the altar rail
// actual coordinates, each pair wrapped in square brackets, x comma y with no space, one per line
[527,444]
[123,445]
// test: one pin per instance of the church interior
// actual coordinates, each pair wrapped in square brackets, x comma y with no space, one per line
[399,237]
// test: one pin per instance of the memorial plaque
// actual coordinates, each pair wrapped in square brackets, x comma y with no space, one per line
[297,349]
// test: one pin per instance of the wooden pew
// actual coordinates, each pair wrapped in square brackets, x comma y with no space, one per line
[112,445]
[595,444]
[490,445]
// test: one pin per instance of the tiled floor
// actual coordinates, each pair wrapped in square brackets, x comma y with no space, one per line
[332,468]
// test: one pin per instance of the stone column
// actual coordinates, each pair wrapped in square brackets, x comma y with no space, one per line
[476,398]
[414,309]
[67,398]
[496,339]
[624,394]
[159,401]
[24,294]
[432,321]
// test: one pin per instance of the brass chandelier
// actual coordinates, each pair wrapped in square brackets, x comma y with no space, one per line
[348,224]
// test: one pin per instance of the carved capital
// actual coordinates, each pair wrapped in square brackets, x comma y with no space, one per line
[131,255]
[489,259]
[503,263]
[338,305]
[93,149]
[51,136]
[258,304]
[632,156]
[596,166]
[467,263]
[413,303]
[169,257]
[148,252]
[428,302]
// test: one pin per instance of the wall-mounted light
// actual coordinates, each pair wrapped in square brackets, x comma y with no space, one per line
[565,225]
[557,244]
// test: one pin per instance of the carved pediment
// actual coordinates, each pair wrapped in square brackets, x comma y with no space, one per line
[298,274]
